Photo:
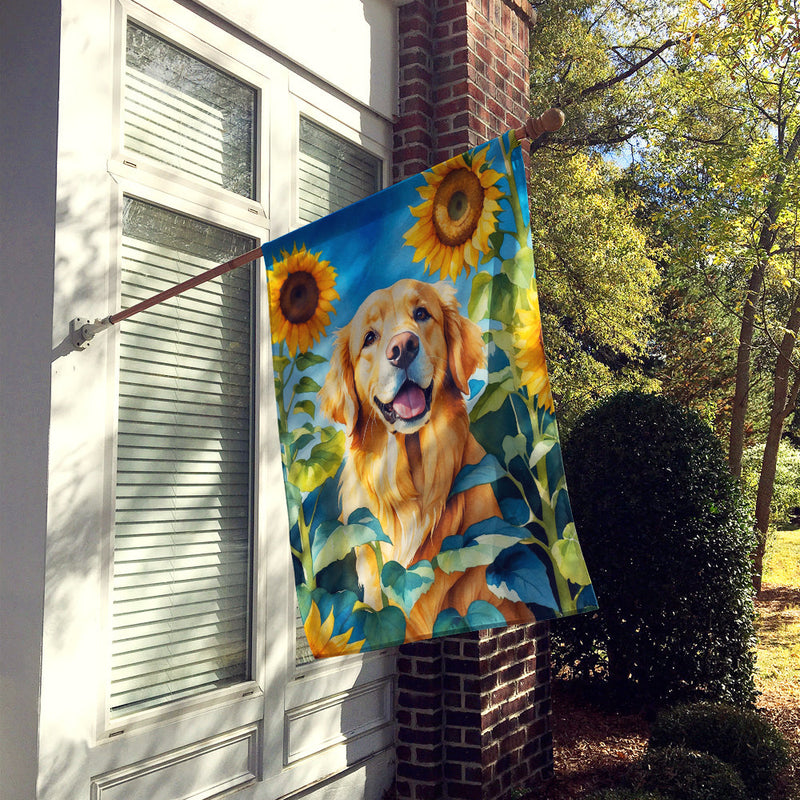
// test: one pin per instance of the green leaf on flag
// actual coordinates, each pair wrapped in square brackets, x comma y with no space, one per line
[306,385]
[568,557]
[405,586]
[309,359]
[333,545]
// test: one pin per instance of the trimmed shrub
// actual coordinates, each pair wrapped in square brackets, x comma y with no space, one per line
[741,738]
[667,540]
[683,774]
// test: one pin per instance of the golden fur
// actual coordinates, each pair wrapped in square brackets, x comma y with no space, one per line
[397,380]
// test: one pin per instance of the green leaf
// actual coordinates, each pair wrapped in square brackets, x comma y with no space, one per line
[305,407]
[306,385]
[308,359]
[504,300]
[488,469]
[519,269]
[293,502]
[481,614]
[449,622]
[385,628]
[478,546]
[503,339]
[334,545]
[542,448]
[279,363]
[568,558]
[480,296]
[303,600]
[494,395]
[405,586]
[301,441]
[514,446]
[323,462]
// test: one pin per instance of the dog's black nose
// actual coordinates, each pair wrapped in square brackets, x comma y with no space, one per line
[402,349]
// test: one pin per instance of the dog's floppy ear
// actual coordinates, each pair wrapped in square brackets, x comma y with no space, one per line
[464,339]
[338,397]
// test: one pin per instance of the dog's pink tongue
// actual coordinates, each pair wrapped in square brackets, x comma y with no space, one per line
[410,402]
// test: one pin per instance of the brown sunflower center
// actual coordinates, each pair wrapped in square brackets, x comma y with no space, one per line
[457,207]
[299,297]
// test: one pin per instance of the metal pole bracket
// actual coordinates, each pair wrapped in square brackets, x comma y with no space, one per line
[82,330]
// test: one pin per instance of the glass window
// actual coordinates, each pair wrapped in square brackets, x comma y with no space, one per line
[333,172]
[187,114]
[183,532]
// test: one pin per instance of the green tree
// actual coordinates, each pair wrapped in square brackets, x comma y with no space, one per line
[726,148]
[598,279]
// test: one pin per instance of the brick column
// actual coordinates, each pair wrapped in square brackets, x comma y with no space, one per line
[463,77]
[473,711]
[473,714]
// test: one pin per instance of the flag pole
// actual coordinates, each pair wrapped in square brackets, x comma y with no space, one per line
[82,331]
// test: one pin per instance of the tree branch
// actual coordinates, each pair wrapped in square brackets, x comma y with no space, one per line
[601,86]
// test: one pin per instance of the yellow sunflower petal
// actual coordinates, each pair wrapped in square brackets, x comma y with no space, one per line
[529,352]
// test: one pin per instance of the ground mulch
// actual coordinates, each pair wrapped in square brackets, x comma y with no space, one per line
[594,747]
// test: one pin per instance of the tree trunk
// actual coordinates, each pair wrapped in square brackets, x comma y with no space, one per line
[784,399]
[742,388]
[766,239]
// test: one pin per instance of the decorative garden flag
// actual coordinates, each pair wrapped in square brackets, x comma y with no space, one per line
[422,465]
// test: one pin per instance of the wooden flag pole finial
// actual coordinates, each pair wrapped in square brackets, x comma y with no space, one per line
[549,122]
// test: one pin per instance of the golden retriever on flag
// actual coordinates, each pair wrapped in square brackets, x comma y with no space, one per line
[398,375]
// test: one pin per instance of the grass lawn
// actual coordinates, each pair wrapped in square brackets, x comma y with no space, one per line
[779,617]
[778,628]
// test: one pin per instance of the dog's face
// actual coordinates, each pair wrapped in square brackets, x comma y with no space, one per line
[403,348]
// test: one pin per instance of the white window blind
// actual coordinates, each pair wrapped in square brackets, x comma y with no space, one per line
[182,543]
[187,114]
[332,173]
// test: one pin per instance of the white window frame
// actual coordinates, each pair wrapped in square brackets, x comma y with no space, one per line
[137,177]
[271,712]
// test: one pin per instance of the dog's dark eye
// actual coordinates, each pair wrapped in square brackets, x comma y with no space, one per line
[421,314]
[369,338]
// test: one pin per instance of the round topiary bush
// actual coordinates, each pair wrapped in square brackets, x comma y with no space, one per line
[741,738]
[667,540]
[683,774]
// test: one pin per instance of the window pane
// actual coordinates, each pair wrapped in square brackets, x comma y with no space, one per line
[333,172]
[183,541]
[185,113]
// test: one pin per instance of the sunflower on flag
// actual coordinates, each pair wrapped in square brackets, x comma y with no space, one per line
[302,290]
[529,351]
[458,214]
[301,295]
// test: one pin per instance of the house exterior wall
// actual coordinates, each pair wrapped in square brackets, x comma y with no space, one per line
[461,80]
[28,107]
